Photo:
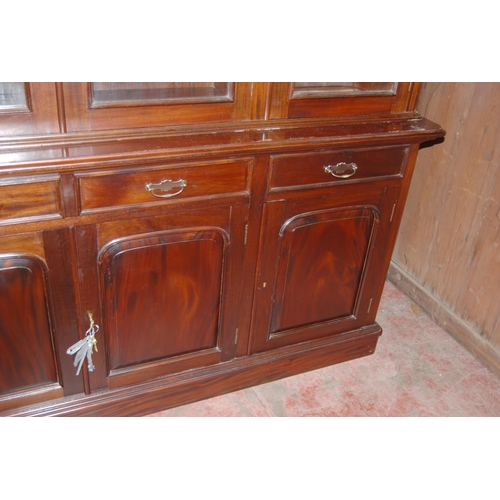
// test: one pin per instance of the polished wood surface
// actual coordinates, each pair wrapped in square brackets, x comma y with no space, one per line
[26,354]
[163,299]
[323,252]
[28,197]
[121,188]
[28,367]
[162,295]
[292,100]
[339,233]
[70,151]
[194,385]
[78,107]
[198,226]
[302,170]
[88,108]
[39,115]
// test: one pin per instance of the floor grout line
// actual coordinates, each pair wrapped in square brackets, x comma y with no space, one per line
[416,370]
[263,402]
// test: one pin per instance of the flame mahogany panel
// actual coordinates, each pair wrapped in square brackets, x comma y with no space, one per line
[263,266]
[107,189]
[29,198]
[319,263]
[26,356]
[301,170]
[322,254]
[162,295]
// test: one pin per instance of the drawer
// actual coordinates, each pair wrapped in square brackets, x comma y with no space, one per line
[101,190]
[302,170]
[29,198]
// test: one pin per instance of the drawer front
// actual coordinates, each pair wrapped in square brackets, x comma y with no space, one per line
[302,170]
[101,190]
[29,198]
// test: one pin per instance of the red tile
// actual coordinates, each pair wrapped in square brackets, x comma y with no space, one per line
[237,404]
[417,370]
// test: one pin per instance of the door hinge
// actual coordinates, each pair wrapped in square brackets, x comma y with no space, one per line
[393,210]
[236,336]
[246,234]
[369,306]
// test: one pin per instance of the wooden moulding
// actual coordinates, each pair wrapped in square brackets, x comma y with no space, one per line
[443,316]
[243,186]
[202,383]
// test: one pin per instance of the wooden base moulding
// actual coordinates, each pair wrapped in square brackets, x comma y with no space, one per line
[217,241]
[203,383]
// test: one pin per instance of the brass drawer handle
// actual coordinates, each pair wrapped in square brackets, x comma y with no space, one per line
[166,185]
[342,170]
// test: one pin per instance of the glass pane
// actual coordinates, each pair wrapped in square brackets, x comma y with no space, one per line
[150,93]
[331,89]
[12,96]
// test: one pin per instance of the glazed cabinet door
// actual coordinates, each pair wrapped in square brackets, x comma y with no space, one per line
[321,264]
[38,319]
[327,99]
[168,292]
[112,106]
[28,109]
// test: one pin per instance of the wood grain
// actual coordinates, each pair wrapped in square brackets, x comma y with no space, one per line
[194,385]
[450,234]
[295,270]
[39,116]
[262,266]
[162,295]
[324,254]
[29,197]
[81,115]
[26,356]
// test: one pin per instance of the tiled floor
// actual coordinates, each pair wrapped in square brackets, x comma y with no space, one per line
[417,370]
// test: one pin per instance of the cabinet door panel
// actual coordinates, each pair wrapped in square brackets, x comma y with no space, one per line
[319,264]
[131,94]
[162,295]
[28,108]
[323,253]
[25,339]
[38,318]
[314,100]
[169,291]
[28,372]
[113,106]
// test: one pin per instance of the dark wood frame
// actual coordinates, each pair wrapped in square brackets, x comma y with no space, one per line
[239,165]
